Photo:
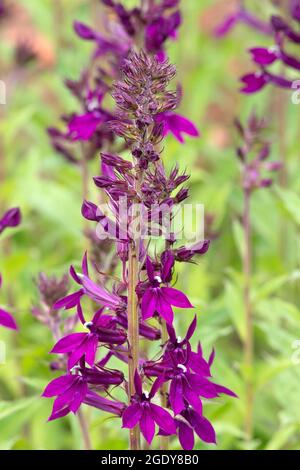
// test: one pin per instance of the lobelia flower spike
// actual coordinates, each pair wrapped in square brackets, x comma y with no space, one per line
[12,218]
[124,311]
[253,155]
[284,30]
[149,26]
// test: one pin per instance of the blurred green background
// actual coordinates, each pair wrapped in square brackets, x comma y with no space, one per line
[49,192]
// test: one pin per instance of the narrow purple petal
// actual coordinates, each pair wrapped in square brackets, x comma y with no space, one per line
[203,428]
[58,385]
[69,301]
[176,297]
[147,425]
[163,419]
[149,303]
[7,320]
[68,343]
[91,350]
[176,396]
[186,436]
[131,416]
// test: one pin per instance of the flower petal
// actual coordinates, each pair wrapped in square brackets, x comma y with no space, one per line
[186,436]
[176,396]
[7,320]
[58,385]
[163,419]
[131,416]
[147,425]
[149,303]
[176,297]
[68,343]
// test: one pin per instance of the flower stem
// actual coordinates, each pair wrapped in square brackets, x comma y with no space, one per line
[248,343]
[84,430]
[133,333]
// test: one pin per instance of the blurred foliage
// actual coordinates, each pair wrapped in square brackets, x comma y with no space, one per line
[49,192]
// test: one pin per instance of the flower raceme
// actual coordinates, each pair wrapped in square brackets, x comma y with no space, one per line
[141,94]
[153,25]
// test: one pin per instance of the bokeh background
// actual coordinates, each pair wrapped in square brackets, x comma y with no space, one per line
[49,192]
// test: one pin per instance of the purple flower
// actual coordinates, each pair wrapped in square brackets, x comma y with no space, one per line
[102,328]
[157,299]
[83,127]
[97,293]
[177,125]
[263,56]
[12,218]
[190,421]
[253,82]
[147,414]
[7,320]
[159,30]
[70,391]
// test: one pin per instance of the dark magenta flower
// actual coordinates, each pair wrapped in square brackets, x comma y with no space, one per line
[253,82]
[147,414]
[190,421]
[12,218]
[83,127]
[7,320]
[102,329]
[157,299]
[70,391]
[177,125]
[263,56]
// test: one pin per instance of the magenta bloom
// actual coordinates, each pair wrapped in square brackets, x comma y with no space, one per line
[264,56]
[147,414]
[102,328]
[97,293]
[84,126]
[70,391]
[194,422]
[7,320]
[12,218]
[253,82]
[177,125]
[160,300]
